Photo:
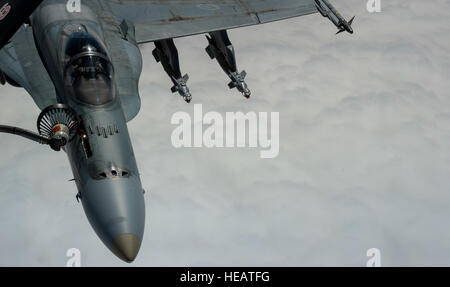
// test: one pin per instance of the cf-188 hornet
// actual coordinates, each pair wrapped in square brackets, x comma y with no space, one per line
[80,62]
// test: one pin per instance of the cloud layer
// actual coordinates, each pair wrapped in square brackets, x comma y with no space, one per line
[364,159]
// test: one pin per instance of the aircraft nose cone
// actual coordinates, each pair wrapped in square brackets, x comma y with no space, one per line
[116,210]
[126,247]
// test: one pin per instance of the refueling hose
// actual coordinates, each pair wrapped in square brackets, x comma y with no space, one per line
[54,143]
[24,133]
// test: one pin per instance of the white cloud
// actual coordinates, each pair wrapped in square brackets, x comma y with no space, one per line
[364,158]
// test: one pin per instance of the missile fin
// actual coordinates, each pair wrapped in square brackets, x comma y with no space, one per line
[156,55]
[351,21]
[210,52]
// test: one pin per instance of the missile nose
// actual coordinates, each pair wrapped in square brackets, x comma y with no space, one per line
[349,29]
[126,247]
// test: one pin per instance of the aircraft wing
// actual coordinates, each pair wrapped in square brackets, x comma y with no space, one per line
[20,60]
[156,20]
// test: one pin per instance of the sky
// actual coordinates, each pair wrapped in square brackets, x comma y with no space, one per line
[364,157]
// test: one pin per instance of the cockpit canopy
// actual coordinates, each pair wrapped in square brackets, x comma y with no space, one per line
[88,73]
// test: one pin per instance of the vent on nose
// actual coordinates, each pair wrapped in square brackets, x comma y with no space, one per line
[113,173]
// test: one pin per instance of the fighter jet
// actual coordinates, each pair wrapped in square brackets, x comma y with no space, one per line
[81,62]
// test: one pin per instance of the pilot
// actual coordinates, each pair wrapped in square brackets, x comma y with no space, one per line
[89,72]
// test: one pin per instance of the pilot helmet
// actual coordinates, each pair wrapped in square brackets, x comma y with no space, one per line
[89,73]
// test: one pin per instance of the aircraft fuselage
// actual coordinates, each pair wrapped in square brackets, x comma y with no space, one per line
[78,50]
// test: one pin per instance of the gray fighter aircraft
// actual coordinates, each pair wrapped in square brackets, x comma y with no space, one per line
[80,62]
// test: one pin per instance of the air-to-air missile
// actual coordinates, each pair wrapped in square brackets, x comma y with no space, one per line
[327,10]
